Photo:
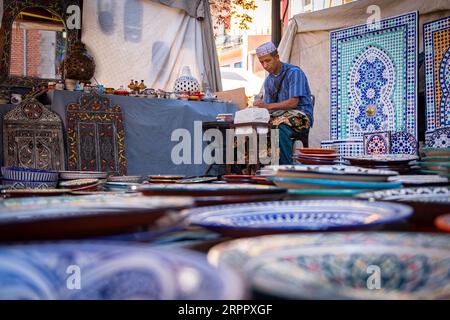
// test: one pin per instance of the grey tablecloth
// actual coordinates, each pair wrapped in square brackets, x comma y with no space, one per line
[149,124]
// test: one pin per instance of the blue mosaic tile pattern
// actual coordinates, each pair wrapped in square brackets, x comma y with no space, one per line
[377,143]
[403,143]
[373,78]
[439,138]
[436,37]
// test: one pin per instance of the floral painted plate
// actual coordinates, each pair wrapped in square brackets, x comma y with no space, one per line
[382,159]
[294,216]
[295,183]
[72,175]
[117,271]
[351,265]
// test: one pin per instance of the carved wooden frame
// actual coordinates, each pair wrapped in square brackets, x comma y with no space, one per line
[11,9]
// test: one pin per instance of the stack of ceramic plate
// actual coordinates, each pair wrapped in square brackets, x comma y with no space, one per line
[350,265]
[191,180]
[436,161]
[331,181]
[316,156]
[253,219]
[24,178]
[396,162]
[167,178]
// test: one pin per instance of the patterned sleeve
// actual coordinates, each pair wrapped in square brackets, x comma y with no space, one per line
[297,83]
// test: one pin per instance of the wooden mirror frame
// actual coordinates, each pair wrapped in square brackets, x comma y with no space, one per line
[10,11]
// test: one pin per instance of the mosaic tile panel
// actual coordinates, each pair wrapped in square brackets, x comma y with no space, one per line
[436,37]
[377,143]
[440,138]
[346,148]
[403,143]
[373,78]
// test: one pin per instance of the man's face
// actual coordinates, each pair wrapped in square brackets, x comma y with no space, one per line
[269,62]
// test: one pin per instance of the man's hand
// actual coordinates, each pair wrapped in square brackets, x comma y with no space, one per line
[260,104]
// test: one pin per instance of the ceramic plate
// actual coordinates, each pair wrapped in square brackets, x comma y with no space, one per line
[196,180]
[336,172]
[71,216]
[431,179]
[291,216]
[316,150]
[423,194]
[34,192]
[383,158]
[26,174]
[72,175]
[208,189]
[338,265]
[443,223]
[78,183]
[295,183]
[130,179]
[116,271]
[323,193]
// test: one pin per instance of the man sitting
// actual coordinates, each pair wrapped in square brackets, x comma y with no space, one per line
[287,97]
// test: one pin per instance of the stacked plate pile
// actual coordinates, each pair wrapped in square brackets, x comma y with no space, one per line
[225,117]
[331,181]
[123,183]
[316,156]
[238,178]
[401,163]
[167,178]
[24,178]
[83,181]
[436,161]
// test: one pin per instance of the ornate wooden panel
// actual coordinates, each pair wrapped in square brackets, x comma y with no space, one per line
[33,137]
[96,135]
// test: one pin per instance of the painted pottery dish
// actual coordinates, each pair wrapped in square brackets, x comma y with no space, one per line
[34,192]
[130,179]
[317,150]
[294,216]
[73,175]
[336,172]
[196,180]
[17,185]
[208,189]
[26,174]
[428,202]
[323,193]
[112,271]
[382,159]
[417,180]
[75,217]
[342,265]
[78,183]
[443,223]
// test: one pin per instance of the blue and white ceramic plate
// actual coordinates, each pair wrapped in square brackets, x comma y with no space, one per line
[26,174]
[323,193]
[104,271]
[417,180]
[294,183]
[291,216]
[348,265]
[439,138]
